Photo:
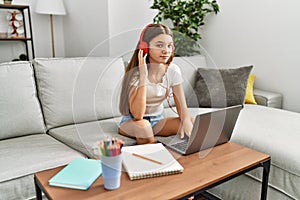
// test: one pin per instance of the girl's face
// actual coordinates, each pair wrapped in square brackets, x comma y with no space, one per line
[160,49]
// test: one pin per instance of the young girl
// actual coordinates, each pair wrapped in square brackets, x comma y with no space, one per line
[148,79]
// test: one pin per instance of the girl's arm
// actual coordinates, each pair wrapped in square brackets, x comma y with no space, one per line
[184,115]
[137,98]
[137,101]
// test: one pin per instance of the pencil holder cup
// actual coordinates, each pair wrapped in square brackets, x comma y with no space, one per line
[111,171]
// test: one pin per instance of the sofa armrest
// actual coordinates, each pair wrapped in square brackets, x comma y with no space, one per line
[266,98]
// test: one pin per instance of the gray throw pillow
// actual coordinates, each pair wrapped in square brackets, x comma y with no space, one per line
[219,88]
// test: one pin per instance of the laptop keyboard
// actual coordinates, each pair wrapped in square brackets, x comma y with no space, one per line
[181,145]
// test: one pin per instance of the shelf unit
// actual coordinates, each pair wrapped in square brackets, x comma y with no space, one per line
[28,37]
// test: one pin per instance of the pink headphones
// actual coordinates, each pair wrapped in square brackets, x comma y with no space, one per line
[144,45]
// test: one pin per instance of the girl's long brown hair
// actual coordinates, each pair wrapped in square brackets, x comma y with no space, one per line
[132,70]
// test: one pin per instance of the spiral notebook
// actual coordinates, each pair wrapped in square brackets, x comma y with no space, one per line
[149,160]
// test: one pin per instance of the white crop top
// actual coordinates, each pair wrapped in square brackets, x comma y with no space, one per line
[156,92]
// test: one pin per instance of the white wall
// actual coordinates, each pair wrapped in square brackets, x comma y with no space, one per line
[106,27]
[42,35]
[86,28]
[126,20]
[263,33]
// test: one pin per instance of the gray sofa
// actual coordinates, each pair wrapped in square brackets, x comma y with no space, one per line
[54,110]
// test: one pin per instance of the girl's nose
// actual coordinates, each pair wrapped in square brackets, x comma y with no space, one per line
[165,49]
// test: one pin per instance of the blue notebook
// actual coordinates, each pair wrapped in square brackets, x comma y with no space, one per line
[79,174]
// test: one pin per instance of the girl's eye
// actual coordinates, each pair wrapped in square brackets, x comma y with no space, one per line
[169,46]
[159,45]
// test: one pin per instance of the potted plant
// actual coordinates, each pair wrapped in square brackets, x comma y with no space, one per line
[186,17]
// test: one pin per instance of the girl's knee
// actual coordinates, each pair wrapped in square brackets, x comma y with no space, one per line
[139,129]
[143,131]
[143,123]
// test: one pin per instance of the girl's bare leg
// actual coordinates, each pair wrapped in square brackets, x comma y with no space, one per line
[139,129]
[167,126]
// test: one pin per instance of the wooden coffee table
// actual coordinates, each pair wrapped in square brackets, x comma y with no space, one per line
[202,171]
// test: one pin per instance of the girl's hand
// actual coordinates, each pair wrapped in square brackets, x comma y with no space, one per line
[142,63]
[186,128]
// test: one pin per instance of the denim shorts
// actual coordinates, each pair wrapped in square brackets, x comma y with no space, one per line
[152,119]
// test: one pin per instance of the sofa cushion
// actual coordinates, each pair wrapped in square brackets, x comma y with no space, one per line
[20,110]
[75,90]
[221,87]
[31,154]
[19,188]
[84,137]
[249,98]
[274,132]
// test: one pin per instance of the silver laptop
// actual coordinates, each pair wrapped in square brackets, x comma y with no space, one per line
[209,130]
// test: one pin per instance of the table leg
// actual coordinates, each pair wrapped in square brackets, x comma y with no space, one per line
[38,190]
[265,179]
